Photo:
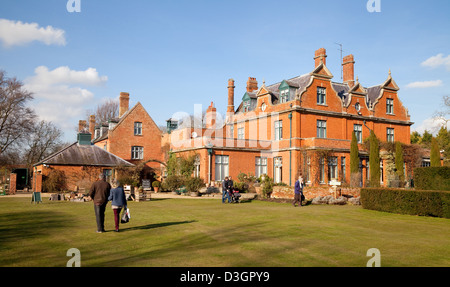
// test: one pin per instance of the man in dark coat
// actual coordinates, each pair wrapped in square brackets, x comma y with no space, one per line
[230,187]
[225,189]
[99,193]
[298,191]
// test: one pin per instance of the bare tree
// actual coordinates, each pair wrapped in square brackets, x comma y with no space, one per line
[105,111]
[44,140]
[444,112]
[16,119]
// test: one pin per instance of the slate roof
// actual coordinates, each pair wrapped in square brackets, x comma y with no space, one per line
[300,83]
[84,155]
[373,93]
[342,91]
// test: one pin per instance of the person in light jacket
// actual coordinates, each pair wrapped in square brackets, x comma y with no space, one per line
[118,201]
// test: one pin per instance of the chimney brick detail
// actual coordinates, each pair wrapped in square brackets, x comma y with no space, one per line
[124,103]
[348,66]
[92,126]
[231,87]
[320,56]
[252,85]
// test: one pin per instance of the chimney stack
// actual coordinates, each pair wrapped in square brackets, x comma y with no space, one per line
[124,103]
[92,126]
[230,96]
[252,85]
[82,126]
[211,117]
[320,56]
[348,66]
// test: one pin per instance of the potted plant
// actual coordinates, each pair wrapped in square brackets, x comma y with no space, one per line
[156,185]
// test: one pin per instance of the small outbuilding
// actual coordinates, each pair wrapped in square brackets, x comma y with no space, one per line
[76,167]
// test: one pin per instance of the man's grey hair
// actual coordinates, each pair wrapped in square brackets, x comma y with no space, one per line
[102,176]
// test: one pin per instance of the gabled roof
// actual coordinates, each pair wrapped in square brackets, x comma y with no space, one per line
[118,121]
[84,155]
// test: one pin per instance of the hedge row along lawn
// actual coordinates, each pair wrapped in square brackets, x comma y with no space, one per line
[189,232]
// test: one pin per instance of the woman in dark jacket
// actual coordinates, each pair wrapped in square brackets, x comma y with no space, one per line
[118,201]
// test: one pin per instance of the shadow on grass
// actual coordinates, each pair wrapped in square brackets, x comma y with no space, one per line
[157,225]
[22,225]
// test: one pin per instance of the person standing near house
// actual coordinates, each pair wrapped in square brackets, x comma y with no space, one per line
[230,187]
[298,191]
[225,190]
[118,201]
[99,193]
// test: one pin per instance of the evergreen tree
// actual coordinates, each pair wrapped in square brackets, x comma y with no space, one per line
[399,161]
[354,155]
[443,140]
[435,156]
[415,138]
[374,160]
[426,139]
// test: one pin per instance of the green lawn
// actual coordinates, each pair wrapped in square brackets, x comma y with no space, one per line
[189,232]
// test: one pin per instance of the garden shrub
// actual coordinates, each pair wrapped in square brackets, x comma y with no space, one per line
[194,184]
[412,202]
[432,178]
[55,181]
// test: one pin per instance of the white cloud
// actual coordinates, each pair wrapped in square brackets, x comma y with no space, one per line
[61,96]
[437,61]
[14,33]
[432,125]
[425,84]
[64,75]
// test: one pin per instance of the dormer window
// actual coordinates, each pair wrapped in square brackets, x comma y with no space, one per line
[284,92]
[284,96]
[246,106]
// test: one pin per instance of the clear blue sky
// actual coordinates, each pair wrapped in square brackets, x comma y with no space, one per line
[170,55]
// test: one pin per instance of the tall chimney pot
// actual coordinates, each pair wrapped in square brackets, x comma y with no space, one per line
[231,87]
[124,103]
[320,56]
[348,66]
[252,85]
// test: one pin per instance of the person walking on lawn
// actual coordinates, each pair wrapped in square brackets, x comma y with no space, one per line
[225,190]
[298,191]
[230,187]
[118,201]
[99,193]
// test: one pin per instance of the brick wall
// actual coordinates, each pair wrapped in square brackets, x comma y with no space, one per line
[122,138]
[12,183]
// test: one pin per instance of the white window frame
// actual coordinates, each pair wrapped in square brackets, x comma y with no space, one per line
[284,96]
[137,152]
[278,127]
[358,132]
[321,96]
[260,166]
[333,168]
[222,163]
[241,133]
[246,106]
[390,134]
[389,106]
[321,129]
[137,128]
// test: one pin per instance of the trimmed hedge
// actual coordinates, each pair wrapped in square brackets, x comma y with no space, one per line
[432,178]
[412,202]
